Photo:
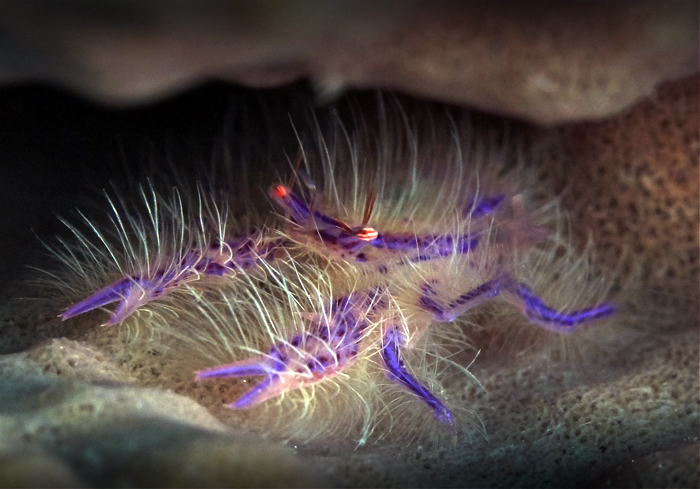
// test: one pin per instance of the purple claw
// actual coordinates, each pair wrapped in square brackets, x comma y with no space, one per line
[269,366]
[269,387]
[258,394]
[112,293]
[130,292]
[137,294]
[391,355]
[238,369]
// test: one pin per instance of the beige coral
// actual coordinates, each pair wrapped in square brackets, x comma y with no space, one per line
[544,61]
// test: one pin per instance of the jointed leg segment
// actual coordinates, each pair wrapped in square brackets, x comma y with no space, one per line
[532,306]
[396,371]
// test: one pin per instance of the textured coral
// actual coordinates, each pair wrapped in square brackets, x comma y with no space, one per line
[543,60]
[67,409]
[618,414]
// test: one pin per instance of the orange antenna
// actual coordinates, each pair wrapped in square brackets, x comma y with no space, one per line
[297,162]
[344,226]
[367,233]
[369,206]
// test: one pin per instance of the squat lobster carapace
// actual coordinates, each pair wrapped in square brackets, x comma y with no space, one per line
[349,286]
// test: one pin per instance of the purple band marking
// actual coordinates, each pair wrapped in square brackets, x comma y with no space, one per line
[537,311]
[487,205]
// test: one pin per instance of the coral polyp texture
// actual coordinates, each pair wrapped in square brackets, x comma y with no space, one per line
[342,299]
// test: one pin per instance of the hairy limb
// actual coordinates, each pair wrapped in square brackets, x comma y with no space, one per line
[397,372]
[334,233]
[227,258]
[449,312]
[539,313]
[330,345]
[532,306]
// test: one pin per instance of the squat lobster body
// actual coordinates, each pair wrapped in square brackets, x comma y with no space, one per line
[326,234]
[359,278]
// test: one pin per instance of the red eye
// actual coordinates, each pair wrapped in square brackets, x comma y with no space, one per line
[367,234]
[280,191]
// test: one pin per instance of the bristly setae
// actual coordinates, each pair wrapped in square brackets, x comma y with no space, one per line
[337,306]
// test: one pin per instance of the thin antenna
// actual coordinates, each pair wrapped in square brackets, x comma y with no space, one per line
[369,206]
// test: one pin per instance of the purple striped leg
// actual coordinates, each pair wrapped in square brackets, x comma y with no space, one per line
[397,372]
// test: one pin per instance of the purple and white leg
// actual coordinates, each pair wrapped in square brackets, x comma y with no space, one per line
[539,313]
[392,345]
[532,306]
[134,291]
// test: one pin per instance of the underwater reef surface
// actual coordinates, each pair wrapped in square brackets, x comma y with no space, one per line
[78,408]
